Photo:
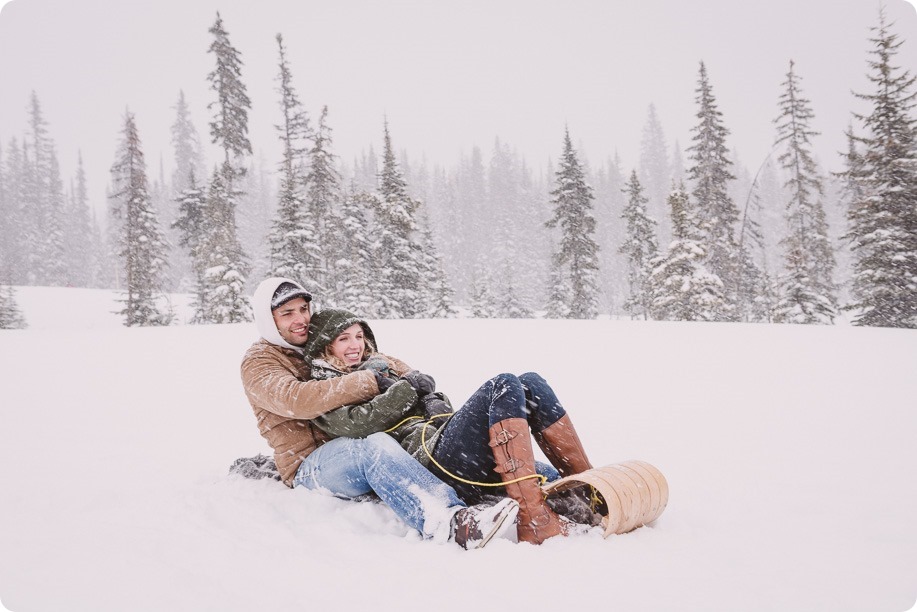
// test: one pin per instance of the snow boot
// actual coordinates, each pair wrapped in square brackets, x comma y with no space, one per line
[475,526]
[512,448]
[561,445]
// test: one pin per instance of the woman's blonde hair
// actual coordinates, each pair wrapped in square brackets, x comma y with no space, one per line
[368,351]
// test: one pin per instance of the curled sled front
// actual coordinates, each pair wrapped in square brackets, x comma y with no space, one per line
[634,492]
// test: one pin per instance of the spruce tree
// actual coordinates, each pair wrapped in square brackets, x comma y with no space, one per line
[576,260]
[190,225]
[639,248]
[224,296]
[189,166]
[227,266]
[10,315]
[468,218]
[142,249]
[43,202]
[401,288]
[682,287]
[806,289]
[13,250]
[655,171]
[609,206]
[54,255]
[79,233]
[186,147]
[716,213]
[323,197]
[292,237]
[754,299]
[883,216]
[484,304]
[437,296]
[229,127]
[355,268]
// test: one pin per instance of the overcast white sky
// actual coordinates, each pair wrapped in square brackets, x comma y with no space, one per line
[449,75]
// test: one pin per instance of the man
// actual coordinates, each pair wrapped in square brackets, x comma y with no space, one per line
[285,399]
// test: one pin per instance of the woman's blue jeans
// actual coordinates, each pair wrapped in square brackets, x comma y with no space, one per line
[350,467]
[463,447]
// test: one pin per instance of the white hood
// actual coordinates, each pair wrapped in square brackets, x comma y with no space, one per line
[264,319]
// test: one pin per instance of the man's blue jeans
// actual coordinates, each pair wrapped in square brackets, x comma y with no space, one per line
[349,467]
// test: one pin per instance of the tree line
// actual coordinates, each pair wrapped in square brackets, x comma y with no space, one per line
[685,236]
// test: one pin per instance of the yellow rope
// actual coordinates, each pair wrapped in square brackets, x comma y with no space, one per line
[594,498]
[402,422]
[423,444]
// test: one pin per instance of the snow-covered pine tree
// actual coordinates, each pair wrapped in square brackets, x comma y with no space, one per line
[402,290]
[438,298]
[576,260]
[558,306]
[142,249]
[355,269]
[467,218]
[716,213]
[501,212]
[190,223]
[806,289]
[79,233]
[43,199]
[677,167]
[10,315]
[655,172]
[683,289]
[883,219]
[293,241]
[229,127]
[754,295]
[851,190]
[609,205]
[323,198]
[188,157]
[10,256]
[227,265]
[256,209]
[513,305]
[366,171]
[444,217]
[484,304]
[640,248]
[186,145]
[13,252]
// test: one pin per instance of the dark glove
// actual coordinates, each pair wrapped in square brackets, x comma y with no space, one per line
[383,381]
[422,383]
[434,405]
[376,364]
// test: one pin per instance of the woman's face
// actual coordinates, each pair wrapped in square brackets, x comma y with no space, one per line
[350,345]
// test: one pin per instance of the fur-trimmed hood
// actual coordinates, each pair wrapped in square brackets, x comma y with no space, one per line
[328,325]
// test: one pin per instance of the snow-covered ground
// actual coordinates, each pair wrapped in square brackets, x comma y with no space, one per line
[789,453]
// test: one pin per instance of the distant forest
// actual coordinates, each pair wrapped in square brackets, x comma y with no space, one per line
[690,234]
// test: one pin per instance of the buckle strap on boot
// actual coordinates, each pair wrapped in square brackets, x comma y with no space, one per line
[509,466]
[502,437]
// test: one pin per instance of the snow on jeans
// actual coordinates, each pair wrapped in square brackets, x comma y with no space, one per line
[463,446]
[349,467]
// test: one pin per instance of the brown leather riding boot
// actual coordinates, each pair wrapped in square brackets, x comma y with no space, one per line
[561,445]
[512,448]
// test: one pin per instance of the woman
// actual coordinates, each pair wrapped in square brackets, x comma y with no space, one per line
[482,448]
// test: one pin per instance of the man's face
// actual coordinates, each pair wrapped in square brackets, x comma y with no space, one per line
[292,320]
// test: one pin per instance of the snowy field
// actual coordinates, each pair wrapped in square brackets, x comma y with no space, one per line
[789,453]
